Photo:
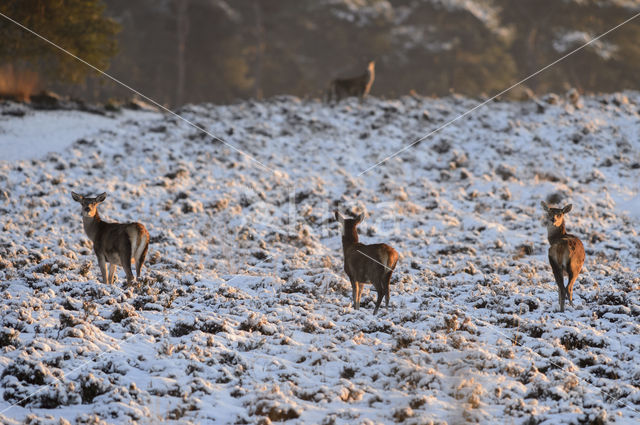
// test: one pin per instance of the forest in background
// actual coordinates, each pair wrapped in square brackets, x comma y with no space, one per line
[190,51]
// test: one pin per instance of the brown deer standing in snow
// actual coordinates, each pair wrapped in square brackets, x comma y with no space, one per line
[359,86]
[113,243]
[366,263]
[566,253]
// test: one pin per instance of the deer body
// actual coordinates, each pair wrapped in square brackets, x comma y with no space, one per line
[366,263]
[359,86]
[566,253]
[113,243]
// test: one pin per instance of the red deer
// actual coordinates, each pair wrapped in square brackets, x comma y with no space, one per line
[366,263]
[359,86]
[113,243]
[566,253]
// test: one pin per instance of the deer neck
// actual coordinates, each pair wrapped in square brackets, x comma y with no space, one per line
[349,239]
[555,233]
[91,225]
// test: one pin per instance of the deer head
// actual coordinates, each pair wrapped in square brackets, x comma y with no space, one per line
[89,205]
[348,224]
[555,216]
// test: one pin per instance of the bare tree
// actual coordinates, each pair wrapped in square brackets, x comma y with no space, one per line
[182,33]
[260,48]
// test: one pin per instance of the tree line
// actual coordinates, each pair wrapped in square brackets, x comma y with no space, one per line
[179,51]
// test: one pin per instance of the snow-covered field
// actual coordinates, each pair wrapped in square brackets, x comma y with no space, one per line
[244,313]
[36,134]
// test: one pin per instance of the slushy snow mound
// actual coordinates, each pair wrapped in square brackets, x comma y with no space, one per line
[243,312]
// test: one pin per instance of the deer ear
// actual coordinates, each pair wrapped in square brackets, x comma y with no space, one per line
[359,218]
[76,197]
[567,209]
[339,216]
[544,205]
[101,197]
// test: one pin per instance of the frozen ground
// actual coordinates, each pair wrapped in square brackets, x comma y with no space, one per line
[244,312]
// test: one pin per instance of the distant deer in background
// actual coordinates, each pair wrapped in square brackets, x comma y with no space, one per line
[366,263]
[359,86]
[566,253]
[113,243]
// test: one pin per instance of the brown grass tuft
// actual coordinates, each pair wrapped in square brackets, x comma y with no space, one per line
[18,83]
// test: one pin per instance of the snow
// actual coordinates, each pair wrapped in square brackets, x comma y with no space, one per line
[573,39]
[243,314]
[629,202]
[366,12]
[36,134]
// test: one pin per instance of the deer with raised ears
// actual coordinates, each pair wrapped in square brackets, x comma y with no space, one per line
[359,86]
[113,243]
[566,253]
[366,263]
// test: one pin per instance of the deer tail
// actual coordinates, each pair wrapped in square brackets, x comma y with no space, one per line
[139,238]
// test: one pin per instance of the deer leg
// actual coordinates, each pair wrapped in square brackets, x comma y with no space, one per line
[381,293]
[572,279]
[557,273]
[140,261]
[387,282]
[127,271]
[359,294]
[112,273]
[125,260]
[102,262]
[354,292]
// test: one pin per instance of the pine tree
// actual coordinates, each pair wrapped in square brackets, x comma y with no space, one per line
[78,26]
